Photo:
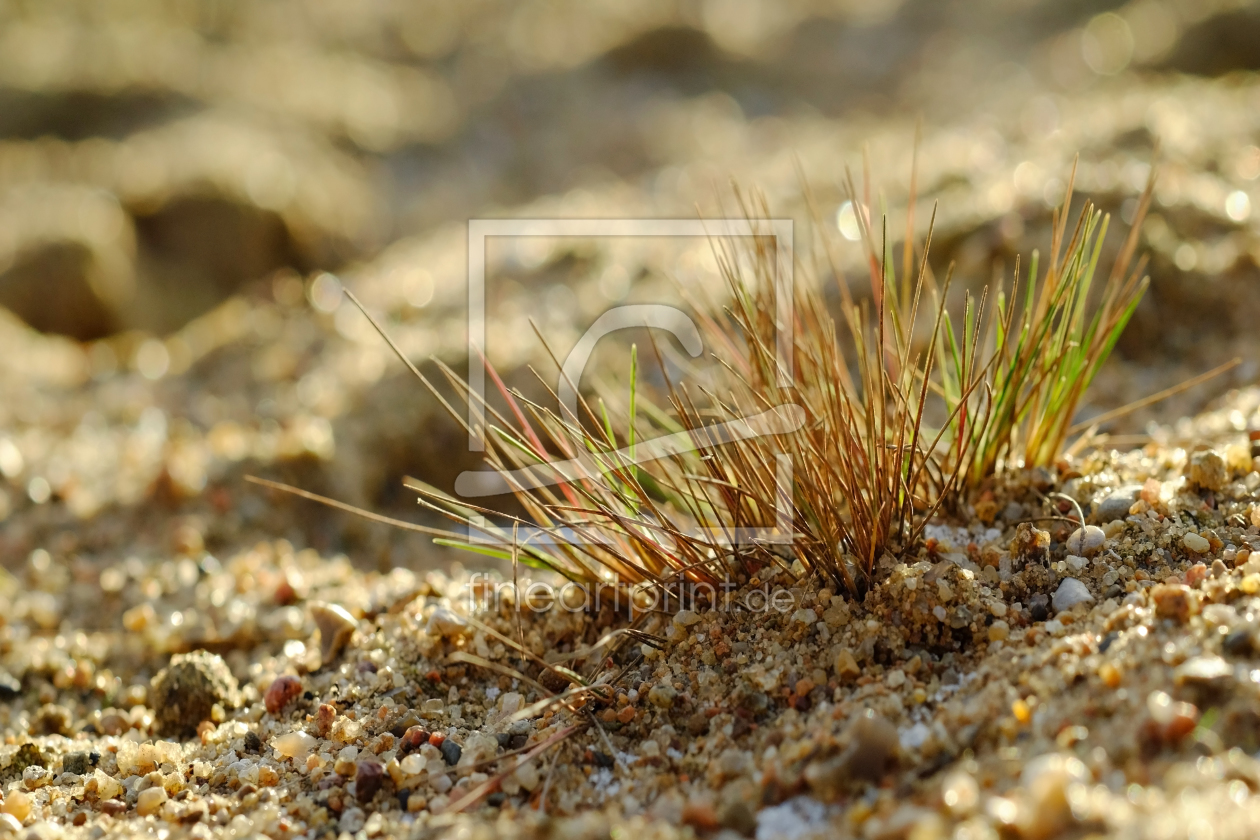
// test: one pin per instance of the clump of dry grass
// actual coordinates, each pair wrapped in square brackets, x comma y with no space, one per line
[839,459]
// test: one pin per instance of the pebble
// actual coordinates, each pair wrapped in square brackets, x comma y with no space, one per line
[1116,505]
[1196,574]
[352,820]
[413,739]
[296,745]
[873,743]
[35,777]
[336,626]
[1206,671]
[451,752]
[1086,541]
[1029,542]
[17,805]
[1207,470]
[1195,543]
[686,618]
[1038,607]
[1046,781]
[1070,593]
[662,696]
[960,793]
[999,631]
[1174,601]
[1238,643]
[150,800]
[325,717]
[367,779]
[282,691]
[107,787]
[9,825]
[1172,720]
[445,624]
[77,763]
[187,690]
[845,665]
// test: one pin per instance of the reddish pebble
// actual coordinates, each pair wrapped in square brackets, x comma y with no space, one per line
[412,740]
[1173,601]
[1196,574]
[324,719]
[367,780]
[285,593]
[436,739]
[1179,727]
[701,816]
[283,691]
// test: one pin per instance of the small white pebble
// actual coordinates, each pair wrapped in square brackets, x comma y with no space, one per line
[1195,543]
[686,618]
[294,745]
[1070,593]
[150,800]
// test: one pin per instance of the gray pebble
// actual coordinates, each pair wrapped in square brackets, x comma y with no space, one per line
[77,763]
[451,752]
[1116,506]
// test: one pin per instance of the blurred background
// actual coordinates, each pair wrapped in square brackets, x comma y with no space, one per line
[186,186]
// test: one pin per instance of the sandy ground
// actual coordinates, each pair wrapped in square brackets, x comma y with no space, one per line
[182,207]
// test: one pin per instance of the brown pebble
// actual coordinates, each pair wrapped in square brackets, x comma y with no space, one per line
[846,666]
[700,816]
[1196,574]
[413,739]
[626,714]
[186,690]
[1207,471]
[114,723]
[1181,725]
[1173,601]
[367,780]
[113,807]
[325,717]
[282,691]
